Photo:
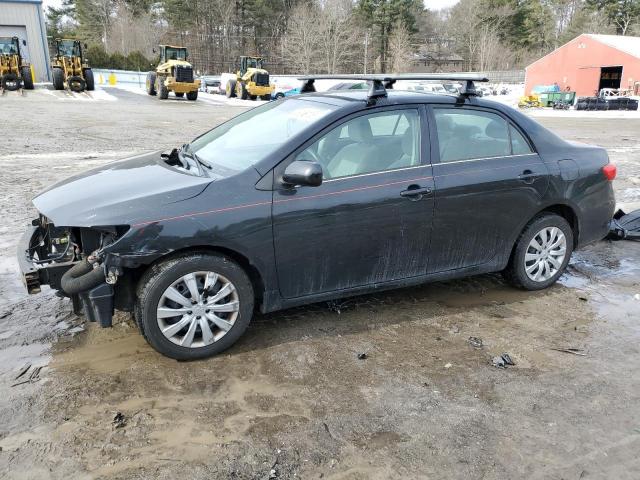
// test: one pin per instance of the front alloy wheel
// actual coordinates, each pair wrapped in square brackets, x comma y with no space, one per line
[194,305]
[198,309]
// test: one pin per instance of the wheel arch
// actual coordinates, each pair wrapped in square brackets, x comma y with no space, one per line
[255,275]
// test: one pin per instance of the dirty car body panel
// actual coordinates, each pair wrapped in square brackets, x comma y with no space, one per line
[355,233]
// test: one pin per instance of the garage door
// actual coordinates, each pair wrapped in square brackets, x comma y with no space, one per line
[21,33]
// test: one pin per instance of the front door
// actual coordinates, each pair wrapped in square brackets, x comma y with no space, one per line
[370,220]
[488,180]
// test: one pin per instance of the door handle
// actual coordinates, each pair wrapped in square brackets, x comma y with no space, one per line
[528,177]
[415,192]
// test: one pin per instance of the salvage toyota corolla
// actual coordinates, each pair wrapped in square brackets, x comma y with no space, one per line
[315,197]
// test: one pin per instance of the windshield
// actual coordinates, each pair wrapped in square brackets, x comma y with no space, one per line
[254,63]
[69,48]
[173,53]
[250,137]
[7,46]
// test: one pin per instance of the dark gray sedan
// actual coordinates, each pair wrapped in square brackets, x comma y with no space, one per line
[316,197]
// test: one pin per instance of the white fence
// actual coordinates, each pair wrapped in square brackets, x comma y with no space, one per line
[114,77]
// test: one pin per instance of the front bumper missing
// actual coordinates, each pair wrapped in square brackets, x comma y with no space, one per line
[97,303]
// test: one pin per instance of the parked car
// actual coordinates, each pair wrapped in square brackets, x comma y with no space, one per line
[329,195]
[285,86]
[210,84]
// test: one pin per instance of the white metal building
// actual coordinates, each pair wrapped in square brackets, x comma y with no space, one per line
[25,19]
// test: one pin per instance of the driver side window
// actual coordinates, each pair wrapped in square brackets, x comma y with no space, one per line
[370,143]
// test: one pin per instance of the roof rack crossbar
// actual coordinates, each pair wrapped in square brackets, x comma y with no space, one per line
[381,82]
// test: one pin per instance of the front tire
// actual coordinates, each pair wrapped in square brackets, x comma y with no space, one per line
[541,253]
[163,90]
[151,83]
[194,306]
[192,95]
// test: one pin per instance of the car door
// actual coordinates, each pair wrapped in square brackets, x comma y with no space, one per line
[488,180]
[370,220]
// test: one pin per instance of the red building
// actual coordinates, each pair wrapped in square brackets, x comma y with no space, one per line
[588,63]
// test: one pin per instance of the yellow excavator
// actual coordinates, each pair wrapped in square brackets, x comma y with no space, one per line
[70,67]
[15,73]
[173,74]
[252,80]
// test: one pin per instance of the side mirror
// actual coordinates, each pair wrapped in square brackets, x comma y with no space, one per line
[24,42]
[154,50]
[304,173]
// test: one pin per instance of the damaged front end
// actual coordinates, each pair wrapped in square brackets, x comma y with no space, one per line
[73,261]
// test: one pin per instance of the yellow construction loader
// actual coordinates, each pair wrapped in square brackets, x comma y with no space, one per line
[15,73]
[252,80]
[70,67]
[173,74]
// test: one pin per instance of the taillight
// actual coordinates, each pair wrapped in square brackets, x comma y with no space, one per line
[609,171]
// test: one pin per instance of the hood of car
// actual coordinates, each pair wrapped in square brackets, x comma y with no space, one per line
[118,193]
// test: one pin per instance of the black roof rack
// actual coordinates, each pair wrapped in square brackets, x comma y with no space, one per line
[383,81]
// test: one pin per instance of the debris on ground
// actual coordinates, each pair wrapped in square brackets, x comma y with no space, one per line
[574,351]
[362,356]
[584,299]
[23,370]
[448,365]
[336,307]
[501,361]
[34,376]
[455,329]
[475,342]
[119,420]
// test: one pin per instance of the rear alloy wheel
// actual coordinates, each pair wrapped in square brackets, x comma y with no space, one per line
[541,253]
[194,306]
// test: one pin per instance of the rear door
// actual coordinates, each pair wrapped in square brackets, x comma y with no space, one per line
[488,180]
[370,220]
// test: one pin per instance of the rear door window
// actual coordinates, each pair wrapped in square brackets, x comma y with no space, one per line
[465,134]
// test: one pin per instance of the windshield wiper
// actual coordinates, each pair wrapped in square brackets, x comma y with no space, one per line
[193,155]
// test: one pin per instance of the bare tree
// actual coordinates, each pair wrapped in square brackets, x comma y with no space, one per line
[300,42]
[339,38]
[400,48]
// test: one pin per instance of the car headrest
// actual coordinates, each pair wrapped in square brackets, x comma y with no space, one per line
[497,130]
[360,130]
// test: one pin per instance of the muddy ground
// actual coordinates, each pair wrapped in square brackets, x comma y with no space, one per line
[292,399]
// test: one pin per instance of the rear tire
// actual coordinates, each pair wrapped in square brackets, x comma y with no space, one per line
[166,279]
[88,78]
[27,79]
[58,79]
[527,260]
[151,83]
[163,90]
[230,90]
[192,95]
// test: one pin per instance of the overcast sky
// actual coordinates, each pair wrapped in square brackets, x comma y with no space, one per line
[432,4]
